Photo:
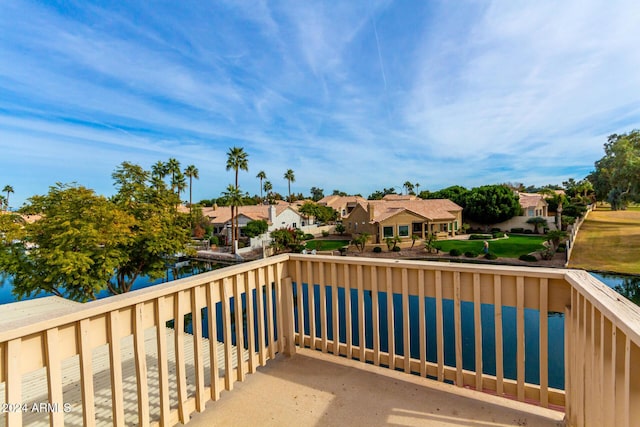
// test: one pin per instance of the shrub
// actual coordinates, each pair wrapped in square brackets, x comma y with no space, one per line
[455,252]
[498,234]
[241,244]
[377,249]
[491,255]
[325,233]
[396,249]
[480,236]
[562,245]
[214,240]
[308,236]
[528,231]
[470,254]
[340,228]
[528,258]
[518,230]
[495,230]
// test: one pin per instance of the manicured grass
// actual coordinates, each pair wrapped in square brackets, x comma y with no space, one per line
[512,247]
[326,245]
[609,241]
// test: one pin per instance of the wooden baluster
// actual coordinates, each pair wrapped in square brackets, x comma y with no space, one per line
[249,286]
[288,318]
[477,322]
[520,354]
[422,326]
[213,296]
[311,305]
[347,312]
[335,309]
[237,299]
[163,361]
[226,322]
[300,303]
[497,313]
[439,325]
[142,383]
[260,312]
[198,358]
[544,342]
[54,375]
[406,324]
[115,368]
[270,322]
[181,371]
[277,280]
[390,320]
[361,338]
[86,372]
[375,315]
[626,405]
[323,306]
[14,381]
[457,315]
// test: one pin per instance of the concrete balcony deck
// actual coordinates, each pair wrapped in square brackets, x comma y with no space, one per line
[316,389]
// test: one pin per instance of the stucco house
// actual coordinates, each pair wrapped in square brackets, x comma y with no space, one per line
[343,204]
[533,205]
[402,216]
[281,215]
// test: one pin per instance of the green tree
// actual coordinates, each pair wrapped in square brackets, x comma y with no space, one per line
[233,198]
[340,229]
[408,186]
[191,172]
[7,189]
[537,221]
[72,250]
[261,176]
[256,228]
[361,241]
[491,204]
[379,194]
[172,167]
[617,174]
[290,177]
[237,159]
[316,193]
[456,193]
[158,233]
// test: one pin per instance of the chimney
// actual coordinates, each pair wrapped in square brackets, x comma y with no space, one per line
[370,209]
[272,213]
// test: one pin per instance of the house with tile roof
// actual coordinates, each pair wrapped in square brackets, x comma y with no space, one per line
[402,216]
[281,215]
[343,204]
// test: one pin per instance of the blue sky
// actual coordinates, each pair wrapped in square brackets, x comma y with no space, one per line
[355,95]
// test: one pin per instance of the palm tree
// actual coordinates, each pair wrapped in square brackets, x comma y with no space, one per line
[261,175]
[3,200]
[191,172]
[267,187]
[234,198]
[417,188]
[237,159]
[173,168]
[290,177]
[408,186]
[7,189]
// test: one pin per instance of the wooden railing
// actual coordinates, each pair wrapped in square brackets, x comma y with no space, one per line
[469,325]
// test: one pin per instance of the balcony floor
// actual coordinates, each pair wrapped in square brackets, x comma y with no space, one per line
[312,388]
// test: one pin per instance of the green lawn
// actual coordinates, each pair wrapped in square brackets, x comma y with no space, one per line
[326,245]
[512,247]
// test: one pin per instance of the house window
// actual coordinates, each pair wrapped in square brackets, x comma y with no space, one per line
[455,225]
[387,231]
[403,230]
[294,225]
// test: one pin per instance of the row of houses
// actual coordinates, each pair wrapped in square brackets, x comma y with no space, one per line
[394,216]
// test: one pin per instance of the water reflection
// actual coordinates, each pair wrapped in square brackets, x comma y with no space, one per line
[626,285]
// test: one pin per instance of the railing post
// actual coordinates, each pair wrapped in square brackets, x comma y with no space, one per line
[287,316]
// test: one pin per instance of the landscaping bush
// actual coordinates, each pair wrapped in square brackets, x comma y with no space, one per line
[480,236]
[528,231]
[308,236]
[527,257]
[470,254]
[498,234]
[396,249]
[518,230]
[455,252]
[377,249]
[491,255]
[495,230]
[562,246]
[325,233]
[214,240]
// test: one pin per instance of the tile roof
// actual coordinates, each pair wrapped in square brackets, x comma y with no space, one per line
[530,200]
[222,214]
[431,209]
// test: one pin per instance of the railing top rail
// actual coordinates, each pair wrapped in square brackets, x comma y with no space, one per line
[90,309]
[622,312]
[542,272]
